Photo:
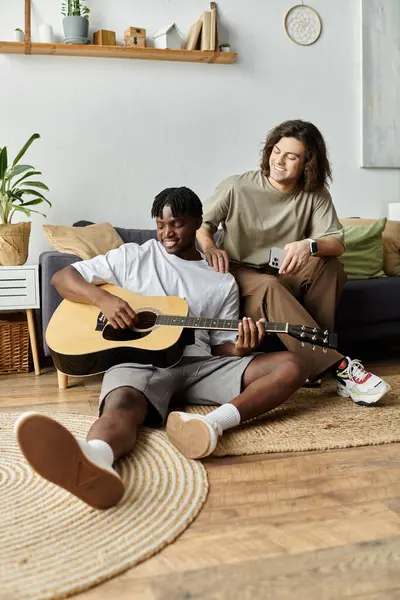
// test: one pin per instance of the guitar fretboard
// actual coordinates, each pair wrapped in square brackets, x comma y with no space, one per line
[220,324]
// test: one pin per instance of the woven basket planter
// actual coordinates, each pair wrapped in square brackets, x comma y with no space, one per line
[14,244]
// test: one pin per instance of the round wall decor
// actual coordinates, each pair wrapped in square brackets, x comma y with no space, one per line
[303,25]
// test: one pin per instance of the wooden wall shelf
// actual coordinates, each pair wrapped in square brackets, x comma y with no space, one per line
[222,58]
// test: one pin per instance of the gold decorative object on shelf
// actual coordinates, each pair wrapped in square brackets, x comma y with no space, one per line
[104,38]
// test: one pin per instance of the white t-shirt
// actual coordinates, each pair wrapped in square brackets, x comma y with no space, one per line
[148,269]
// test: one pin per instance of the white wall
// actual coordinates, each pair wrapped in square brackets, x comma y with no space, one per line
[116,132]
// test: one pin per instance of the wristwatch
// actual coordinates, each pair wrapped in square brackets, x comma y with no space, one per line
[313,247]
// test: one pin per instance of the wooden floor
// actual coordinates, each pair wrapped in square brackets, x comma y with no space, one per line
[312,526]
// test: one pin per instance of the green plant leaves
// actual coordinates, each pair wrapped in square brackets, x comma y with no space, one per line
[37,184]
[16,182]
[13,172]
[3,162]
[20,154]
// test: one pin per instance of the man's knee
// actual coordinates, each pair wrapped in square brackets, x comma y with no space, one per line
[124,398]
[294,370]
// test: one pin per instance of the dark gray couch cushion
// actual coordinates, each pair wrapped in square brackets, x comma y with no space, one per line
[367,301]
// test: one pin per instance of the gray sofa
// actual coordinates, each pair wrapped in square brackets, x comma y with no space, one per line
[368,313]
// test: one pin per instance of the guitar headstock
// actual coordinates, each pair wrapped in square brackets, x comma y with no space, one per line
[314,336]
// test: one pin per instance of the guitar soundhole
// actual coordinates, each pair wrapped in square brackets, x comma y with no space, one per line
[146,321]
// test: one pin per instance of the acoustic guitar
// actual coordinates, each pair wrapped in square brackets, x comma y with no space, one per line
[83,343]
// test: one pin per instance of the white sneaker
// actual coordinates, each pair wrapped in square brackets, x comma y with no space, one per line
[69,462]
[194,435]
[362,387]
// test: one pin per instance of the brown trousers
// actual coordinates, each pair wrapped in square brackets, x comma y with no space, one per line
[308,298]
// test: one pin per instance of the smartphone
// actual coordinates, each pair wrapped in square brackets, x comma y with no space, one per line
[276,256]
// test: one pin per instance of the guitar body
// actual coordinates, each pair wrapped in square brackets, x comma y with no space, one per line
[81,343]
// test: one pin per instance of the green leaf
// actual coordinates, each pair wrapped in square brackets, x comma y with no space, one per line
[14,171]
[32,202]
[30,174]
[20,154]
[3,163]
[35,193]
[22,209]
[37,184]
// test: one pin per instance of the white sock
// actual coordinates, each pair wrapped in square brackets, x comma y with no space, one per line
[102,450]
[226,416]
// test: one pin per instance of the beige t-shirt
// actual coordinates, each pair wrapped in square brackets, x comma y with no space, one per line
[256,217]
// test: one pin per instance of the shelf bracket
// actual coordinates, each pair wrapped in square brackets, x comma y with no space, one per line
[28,37]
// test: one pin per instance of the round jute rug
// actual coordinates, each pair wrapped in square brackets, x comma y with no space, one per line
[52,545]
[315,419]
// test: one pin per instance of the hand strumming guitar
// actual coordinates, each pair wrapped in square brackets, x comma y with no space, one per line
[117,312]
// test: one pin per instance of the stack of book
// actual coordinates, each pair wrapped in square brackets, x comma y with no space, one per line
[203,34]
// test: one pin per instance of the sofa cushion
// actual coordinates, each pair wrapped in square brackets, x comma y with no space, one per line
[85,242]
[390,240]
[363,257]
[369,301]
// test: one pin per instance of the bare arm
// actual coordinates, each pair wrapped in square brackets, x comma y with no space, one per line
[329,246]
[71,286]
[298,253]
[215,257]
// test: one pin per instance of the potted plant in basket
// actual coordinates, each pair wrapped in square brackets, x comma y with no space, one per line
[75,22]
[18,193]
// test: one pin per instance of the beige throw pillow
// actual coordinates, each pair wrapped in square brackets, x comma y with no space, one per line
[390,240]
[85,242]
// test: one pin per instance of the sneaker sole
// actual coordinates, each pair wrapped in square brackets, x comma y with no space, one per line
[372,399]
[54,453]
[192,438]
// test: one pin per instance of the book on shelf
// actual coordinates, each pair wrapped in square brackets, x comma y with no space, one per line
[213,28]
[206,31]
[194,35]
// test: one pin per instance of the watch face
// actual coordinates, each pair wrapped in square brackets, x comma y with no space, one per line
[314,247]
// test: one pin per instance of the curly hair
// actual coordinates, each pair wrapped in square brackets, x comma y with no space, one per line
[317,169]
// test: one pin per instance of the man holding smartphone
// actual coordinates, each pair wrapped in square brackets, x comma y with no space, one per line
[286,204]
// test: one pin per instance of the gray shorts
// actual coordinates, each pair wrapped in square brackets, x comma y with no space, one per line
[199,380]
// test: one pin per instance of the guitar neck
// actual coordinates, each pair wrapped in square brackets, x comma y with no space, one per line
[217,324]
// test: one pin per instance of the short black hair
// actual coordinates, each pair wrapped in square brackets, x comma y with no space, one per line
[181,200]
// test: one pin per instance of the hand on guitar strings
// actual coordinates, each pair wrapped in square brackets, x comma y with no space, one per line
[117,312]
[250,336]
[217,259]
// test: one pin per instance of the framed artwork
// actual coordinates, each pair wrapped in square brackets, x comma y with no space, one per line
[381,83]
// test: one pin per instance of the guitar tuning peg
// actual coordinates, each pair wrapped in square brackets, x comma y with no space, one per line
[315,330]
[303,327]
[313,348]
[326,332]
[324,350]
[301,344]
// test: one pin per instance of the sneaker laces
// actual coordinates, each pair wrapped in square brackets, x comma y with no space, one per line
[356,371]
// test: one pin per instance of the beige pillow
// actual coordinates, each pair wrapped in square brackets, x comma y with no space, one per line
[85,242]
[390,240]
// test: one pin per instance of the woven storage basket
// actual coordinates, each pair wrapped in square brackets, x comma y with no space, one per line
[15,353]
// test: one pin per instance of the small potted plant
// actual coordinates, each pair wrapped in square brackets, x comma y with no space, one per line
[19,35]
[225,47]
[75,22]
[19,192]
